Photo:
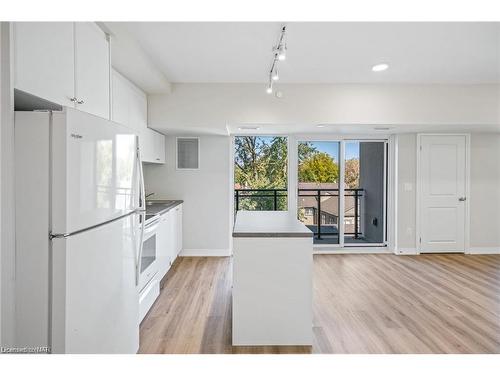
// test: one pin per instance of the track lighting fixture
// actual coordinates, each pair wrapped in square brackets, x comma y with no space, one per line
[279,54]
[275,75]
[269,89]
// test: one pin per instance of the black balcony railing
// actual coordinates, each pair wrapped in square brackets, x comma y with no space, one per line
[275,199]
[354,206]
[267,199]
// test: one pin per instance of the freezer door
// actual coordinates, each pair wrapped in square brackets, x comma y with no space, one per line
[95,299]
[95,171]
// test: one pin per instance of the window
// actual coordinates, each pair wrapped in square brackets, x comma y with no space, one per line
[260,173]
[308,211]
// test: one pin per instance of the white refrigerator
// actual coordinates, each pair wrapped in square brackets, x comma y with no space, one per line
[79,228]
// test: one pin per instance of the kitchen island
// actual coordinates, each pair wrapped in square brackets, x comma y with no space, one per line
[272,279]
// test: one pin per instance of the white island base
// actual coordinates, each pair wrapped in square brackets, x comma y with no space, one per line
[272,280]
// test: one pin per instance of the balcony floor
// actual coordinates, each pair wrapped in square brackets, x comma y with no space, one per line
[329,236]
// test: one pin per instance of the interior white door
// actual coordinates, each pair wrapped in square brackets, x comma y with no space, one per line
[442,197]
[92,73]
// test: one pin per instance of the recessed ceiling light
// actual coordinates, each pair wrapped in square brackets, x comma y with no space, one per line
[320,126]
[249,128]
[380,67]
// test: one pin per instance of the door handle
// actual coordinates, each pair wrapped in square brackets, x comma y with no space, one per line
[462,199]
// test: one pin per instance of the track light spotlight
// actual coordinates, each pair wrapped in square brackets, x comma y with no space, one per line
[274,75]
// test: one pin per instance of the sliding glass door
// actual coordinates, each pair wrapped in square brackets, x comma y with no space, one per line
[342,191]
[318,190]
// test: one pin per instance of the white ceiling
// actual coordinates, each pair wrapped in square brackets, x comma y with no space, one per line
[323,52]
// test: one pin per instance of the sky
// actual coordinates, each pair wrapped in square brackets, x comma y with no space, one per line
[332,148]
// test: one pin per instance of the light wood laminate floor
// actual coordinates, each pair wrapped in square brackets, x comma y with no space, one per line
[362,304]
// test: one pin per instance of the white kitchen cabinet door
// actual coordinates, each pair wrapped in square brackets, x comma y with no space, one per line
[148,146]
[129,103]
[160,148]
[178,229]
[163,235]
[120,99]
[153,150]
[138,108]
[44,60]
[92,69]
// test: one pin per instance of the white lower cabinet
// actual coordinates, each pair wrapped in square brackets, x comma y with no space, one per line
[148,296]
[165,243]
[169,237]
[177,230]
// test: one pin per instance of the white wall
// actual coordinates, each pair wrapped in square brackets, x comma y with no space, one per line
[407,188]
[205,192]
[7,189]
[484,194]
[202,108]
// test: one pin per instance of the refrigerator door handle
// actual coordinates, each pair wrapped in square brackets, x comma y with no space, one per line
[142,212]
[53,236]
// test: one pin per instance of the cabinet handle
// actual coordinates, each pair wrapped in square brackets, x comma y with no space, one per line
[157,158]
[80,101]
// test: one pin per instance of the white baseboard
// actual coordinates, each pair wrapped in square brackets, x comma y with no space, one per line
[484,250]
[406,251]
[205,253]
[351,250]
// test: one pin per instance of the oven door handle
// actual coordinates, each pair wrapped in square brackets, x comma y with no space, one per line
[142,218]
[141,211]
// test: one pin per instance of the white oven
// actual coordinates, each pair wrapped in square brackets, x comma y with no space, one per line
[149,265]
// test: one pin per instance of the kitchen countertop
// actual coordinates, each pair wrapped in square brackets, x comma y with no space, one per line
[269,224]
[158,207]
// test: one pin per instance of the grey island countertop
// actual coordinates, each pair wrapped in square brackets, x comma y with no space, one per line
[269,224]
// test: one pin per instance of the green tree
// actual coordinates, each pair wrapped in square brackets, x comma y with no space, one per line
[352,173]
[306,150]
[260,163]
[319,168]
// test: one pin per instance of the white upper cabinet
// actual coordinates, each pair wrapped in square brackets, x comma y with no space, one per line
[159,148]
[65,63]
[120,99]
[92,69]
[44,60]
[129,103]
[153,147]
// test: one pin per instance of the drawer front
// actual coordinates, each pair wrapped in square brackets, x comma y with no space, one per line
[148,297]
